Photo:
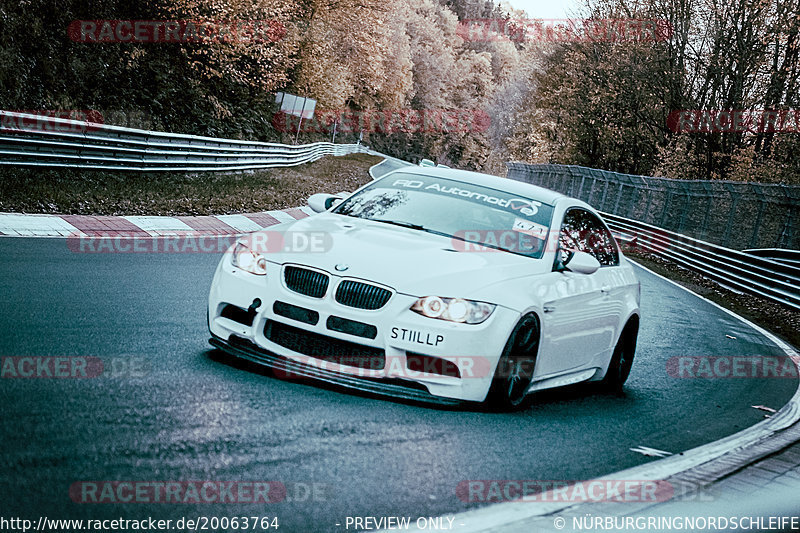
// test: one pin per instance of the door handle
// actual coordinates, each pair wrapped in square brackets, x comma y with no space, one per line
[605,289]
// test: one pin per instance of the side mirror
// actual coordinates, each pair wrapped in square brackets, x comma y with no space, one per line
[322,202]
[582,263]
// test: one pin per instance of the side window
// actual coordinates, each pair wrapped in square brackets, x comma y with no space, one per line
[582,231]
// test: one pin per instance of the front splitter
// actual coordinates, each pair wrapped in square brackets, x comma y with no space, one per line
[249,351]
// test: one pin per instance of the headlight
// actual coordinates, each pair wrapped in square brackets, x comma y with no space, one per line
[453,309]
[248,260]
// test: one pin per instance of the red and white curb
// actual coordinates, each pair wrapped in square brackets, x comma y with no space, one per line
[40,225]
[30,225]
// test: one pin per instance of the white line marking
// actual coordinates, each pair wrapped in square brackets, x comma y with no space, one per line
[239,222]
[160,225]
[281,216]
[650,452]
[764,408]
[35,225]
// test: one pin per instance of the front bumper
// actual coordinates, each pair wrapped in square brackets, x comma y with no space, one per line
[247,350]
[400,336]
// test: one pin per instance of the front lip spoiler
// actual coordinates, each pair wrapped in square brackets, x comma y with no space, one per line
[256,354]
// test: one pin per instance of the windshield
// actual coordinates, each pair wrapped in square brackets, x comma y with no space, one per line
[467,213]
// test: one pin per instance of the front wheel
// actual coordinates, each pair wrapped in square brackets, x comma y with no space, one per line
[622,359]
[514,371]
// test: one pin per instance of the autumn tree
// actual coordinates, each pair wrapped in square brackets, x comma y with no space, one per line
[605,102]
[356,55]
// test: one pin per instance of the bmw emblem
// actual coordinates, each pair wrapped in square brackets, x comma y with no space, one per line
[341,267]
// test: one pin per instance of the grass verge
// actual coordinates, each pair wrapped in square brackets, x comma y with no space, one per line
[76,192]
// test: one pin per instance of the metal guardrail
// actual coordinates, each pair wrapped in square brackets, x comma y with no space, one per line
[775,280]
[736,215]
[791,257]
[43,141]
[740,271]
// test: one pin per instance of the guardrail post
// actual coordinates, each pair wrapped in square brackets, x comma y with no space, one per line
[571,176]
[605,194]
[686,203]
[761,205]
[591,186]
[731,213]
[619,197]
[787,233]
[709,204]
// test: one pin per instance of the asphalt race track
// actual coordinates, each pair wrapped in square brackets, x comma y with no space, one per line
[187,413]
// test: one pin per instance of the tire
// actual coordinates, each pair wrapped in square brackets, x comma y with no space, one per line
[515,368]
[622,359]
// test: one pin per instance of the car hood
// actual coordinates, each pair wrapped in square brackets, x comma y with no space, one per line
[410,261]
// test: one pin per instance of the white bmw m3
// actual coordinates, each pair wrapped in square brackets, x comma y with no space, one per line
[437,285]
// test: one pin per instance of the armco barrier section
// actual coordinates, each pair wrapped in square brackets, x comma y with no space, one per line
[43,141]
[776,280]
[736,215]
